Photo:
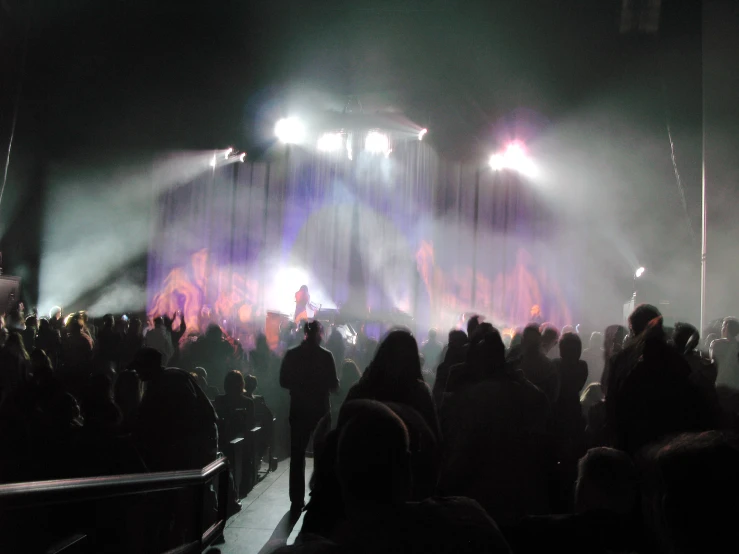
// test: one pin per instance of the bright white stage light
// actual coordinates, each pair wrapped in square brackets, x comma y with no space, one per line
[330,142]
[377,143]
[514,158]
[212,162]
[497,162]
[289,130]
[227,153]
[422,133]
[639,272]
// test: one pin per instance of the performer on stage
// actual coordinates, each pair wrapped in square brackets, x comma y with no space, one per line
[302,302]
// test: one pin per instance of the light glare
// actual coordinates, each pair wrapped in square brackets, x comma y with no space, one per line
[639,272]
[514,158]
[422,133]
[330,142]
[289,130]
[377,143]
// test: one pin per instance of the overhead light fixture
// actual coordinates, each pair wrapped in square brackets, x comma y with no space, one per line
[422,133]
[377,143]
[289,130]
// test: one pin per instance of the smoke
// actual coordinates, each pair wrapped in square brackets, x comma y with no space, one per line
[120,297]
[98,220]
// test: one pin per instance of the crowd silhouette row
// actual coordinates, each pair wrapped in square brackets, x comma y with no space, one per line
[480,443]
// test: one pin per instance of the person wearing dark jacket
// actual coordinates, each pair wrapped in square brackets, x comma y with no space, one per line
[309,373]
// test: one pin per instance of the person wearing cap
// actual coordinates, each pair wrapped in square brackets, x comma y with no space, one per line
[176,427]
[309,373]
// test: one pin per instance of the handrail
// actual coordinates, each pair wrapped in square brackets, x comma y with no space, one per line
[132,483]
[64,491]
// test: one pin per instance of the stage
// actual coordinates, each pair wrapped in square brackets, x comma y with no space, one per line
[403,234]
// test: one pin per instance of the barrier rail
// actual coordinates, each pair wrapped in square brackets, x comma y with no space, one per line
[24,498]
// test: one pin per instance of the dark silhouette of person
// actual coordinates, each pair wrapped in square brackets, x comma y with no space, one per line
[49,340]
[593,356]
[127,396]
[132,341]
[349,376]
[176,426]
[98,407]
[431,350]
[337,346]
[568,421]
[394,375]
[108,342]
[686,338]
[78,346]
[613,343]
[496,437]
[690,493]
[262,413]
[725,352]
[650,395]
[536,366]
[234,407]
[456,353]
[160,338]
[14,365]
[309,373]
[482,359]
[549,339]
[604,519]
[214,353]
[374,467]
[201,376]
[30,330]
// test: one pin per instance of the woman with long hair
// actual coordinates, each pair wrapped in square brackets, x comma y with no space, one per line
[394,375]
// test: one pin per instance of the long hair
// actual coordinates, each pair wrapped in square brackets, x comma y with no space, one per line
[397,363]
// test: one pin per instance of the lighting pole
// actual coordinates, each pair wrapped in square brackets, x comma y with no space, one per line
[704,209]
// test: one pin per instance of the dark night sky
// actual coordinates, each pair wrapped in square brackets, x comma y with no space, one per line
[122,77]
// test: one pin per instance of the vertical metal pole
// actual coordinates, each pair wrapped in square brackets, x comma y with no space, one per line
[704,222]
[474,238]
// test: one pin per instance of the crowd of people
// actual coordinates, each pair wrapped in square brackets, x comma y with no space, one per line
[467,445]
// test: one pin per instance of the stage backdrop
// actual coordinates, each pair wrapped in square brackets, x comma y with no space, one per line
[369,236]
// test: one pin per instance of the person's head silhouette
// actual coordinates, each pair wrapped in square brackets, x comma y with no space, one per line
[313,332]
[570,347]
[373,458]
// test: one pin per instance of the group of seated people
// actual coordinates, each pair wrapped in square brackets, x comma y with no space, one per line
[79,399]
[520,450]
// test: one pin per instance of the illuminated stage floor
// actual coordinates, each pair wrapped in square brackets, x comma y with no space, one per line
[264,516]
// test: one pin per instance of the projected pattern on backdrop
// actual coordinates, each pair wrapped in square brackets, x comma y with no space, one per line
[379,235]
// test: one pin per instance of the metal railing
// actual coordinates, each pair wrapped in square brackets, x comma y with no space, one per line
[40,494]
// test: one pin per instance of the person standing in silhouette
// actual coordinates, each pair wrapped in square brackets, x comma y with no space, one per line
[309,373]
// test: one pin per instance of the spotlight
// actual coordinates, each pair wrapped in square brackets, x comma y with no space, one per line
[639,272]
[422,133]
[212,162]
[227,153]
[330,142]
[377,143]
[289,130]
[514,158]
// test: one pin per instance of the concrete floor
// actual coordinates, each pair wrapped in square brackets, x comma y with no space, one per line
[264,521]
